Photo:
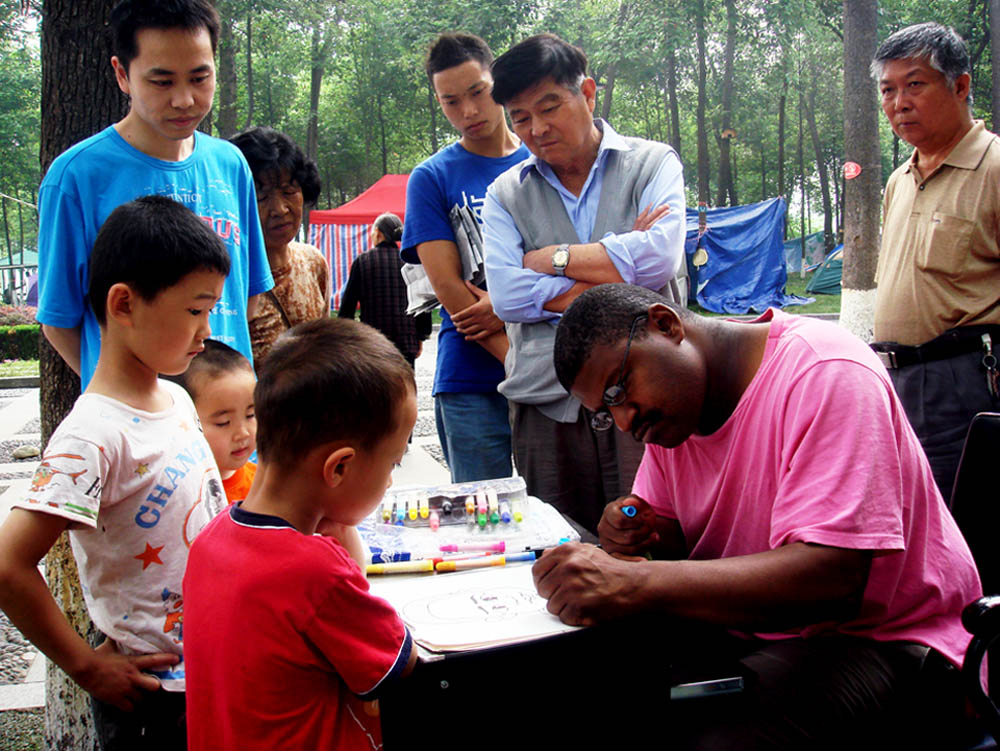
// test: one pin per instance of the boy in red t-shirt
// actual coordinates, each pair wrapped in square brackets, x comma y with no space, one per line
[283,642]
[220,381]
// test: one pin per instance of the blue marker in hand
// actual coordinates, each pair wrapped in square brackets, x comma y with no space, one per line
[630,511]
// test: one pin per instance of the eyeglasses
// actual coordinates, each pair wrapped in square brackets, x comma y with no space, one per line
[614,395]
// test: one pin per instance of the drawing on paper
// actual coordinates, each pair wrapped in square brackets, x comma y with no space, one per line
[482,605]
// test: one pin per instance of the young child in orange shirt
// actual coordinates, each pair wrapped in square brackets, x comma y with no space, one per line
[220,381]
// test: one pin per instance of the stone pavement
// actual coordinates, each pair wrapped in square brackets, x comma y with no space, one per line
[22,668]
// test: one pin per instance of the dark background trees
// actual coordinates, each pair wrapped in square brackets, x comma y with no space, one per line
[726,81]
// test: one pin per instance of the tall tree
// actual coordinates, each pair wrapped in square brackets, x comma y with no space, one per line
[79,98]
[862,202]
[824,180]
[225,118]
[702,133]
[727,185]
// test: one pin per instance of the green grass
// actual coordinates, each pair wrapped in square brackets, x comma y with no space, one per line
[794,286]
[10,368]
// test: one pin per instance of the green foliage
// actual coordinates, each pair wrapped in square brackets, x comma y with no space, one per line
[19,342]
[376,112]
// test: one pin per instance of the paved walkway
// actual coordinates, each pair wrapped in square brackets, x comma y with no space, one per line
[22,669]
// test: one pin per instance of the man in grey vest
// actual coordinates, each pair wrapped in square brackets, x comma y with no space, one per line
[588,207]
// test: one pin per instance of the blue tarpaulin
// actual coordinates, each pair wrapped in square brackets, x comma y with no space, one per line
[745,270]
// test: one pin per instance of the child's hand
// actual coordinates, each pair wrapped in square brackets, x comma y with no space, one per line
[628,526]
[118,679]
[347,536]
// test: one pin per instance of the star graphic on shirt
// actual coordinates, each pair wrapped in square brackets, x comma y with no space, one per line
[150,556]
[142,469]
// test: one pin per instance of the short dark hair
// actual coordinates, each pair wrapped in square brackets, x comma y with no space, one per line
[130,17]
[455,48]
[602,315]
[536,58]
[270,153]
[941,46]
[216,359]
[329,379]
[150,244]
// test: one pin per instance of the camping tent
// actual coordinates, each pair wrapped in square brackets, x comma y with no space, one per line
[745,266]
[814,252]
[342,233]
[826,280]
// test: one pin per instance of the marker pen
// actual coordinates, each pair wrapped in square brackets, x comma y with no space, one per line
[505,512]
[425,507]
[474,547]
[483,562]
[518,508]
[630,511]
[402,567]
[411,508]
[435,520]
[470,506]
[446,508]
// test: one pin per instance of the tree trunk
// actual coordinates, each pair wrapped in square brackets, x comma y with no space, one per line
[432,107]
[609,86]
[249,121]
[78,98]
[995,60]
[672,106]
[703,166]
[824,180]
[724,137]
[225,120]
[782,101]
[319,48]
[862,194]
[763,171]
[802,183]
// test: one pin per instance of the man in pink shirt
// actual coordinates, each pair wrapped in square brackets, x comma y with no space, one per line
[784,495]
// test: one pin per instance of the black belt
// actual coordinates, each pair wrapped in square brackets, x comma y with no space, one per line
[951,343]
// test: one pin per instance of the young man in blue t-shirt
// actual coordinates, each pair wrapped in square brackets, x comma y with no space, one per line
[164,61]
[472,419]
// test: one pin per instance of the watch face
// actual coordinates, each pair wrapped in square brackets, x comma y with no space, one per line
[560,258]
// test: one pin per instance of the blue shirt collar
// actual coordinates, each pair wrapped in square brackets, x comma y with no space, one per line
[610,141]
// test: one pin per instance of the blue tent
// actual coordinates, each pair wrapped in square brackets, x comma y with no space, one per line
[745,269]
[814,252]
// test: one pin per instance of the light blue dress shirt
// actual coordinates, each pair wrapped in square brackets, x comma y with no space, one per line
[648,258]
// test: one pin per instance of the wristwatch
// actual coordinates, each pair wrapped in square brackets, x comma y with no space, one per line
[560,259]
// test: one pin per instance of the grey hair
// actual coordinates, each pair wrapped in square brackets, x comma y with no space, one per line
[942,48]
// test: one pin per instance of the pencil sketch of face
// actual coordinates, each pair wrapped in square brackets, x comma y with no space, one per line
[469,606]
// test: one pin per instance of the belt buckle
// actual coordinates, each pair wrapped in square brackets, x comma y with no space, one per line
[888,359]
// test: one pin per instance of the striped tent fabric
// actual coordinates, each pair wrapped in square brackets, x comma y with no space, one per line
[341,244]
[342,233]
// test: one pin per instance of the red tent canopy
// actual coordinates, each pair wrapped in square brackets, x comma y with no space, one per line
[342,233]
[387,194]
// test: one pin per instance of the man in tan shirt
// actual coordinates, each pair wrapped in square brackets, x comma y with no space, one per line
[937,316]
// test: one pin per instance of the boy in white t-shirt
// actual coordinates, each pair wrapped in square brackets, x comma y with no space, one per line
[130,475]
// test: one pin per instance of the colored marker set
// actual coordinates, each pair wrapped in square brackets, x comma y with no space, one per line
[493,504]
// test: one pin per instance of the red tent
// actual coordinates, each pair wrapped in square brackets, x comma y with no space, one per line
[342,233]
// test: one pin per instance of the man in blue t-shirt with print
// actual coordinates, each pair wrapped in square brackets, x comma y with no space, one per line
[164,62]
[472,420]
